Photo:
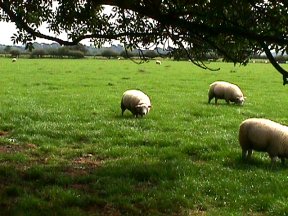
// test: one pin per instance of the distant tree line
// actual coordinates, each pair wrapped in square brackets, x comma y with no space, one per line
[80,51]
[77,51]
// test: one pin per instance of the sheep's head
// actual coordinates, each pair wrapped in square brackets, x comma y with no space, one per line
[240,100]
[143,109]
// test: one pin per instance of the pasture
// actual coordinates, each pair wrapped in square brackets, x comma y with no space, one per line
[65,149]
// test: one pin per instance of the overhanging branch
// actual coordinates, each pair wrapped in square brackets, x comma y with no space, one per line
[21,24]
[164,19]
[274,63]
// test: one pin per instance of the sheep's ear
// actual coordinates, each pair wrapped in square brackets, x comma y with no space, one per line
[244,97]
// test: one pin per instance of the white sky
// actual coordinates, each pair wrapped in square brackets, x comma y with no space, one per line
[8,29]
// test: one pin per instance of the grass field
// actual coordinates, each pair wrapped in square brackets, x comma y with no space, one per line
[65,149]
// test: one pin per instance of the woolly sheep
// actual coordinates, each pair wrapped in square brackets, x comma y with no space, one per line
[158,62]
[14,59]
[227,91]
[135,101]
[263,135]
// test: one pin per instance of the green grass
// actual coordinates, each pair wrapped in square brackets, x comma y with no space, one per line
[65,149]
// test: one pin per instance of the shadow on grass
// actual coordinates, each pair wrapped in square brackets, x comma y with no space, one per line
[115,187]
[129,116]
[221,103]
[254,163]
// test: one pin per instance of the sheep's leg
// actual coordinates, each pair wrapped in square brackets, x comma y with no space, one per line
[249,154]
[123,108]
[273,159]
[246,154]
[216,100]
[210,97]
[282,160]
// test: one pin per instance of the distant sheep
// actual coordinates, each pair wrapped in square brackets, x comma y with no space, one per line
[227,91]
[135,101]
[14,59]
[263,135]
[158,62]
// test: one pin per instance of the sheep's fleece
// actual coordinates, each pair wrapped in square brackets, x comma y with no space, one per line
[135,101]
[227,91]
[263,135]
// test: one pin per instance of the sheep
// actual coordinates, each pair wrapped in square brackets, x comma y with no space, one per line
[158,62]
[14,59]
[263,135]
[135,101]
[227,91]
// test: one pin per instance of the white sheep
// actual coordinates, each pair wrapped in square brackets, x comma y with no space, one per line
[227,91]
[14,59]
[135,101]
[263,135]
[158,62]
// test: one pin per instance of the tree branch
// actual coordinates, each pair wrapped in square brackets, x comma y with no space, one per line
[274,62]
[155,13]
[21,24]
[172,20]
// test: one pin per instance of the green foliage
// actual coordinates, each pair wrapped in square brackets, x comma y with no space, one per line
[150,54]
[7,49]
[127,54]
[76,52]
[109,53]
[65,149]
[38,53]
[14,53]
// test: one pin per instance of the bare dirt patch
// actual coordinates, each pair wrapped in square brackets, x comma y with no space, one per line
[10,148]
[16,148]
[87,161]
[4,133]
[105,210]
[83,165]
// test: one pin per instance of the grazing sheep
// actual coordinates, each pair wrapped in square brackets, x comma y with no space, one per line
[135,101]
[158,62]
[263,135]
[227,91]
[14,59]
